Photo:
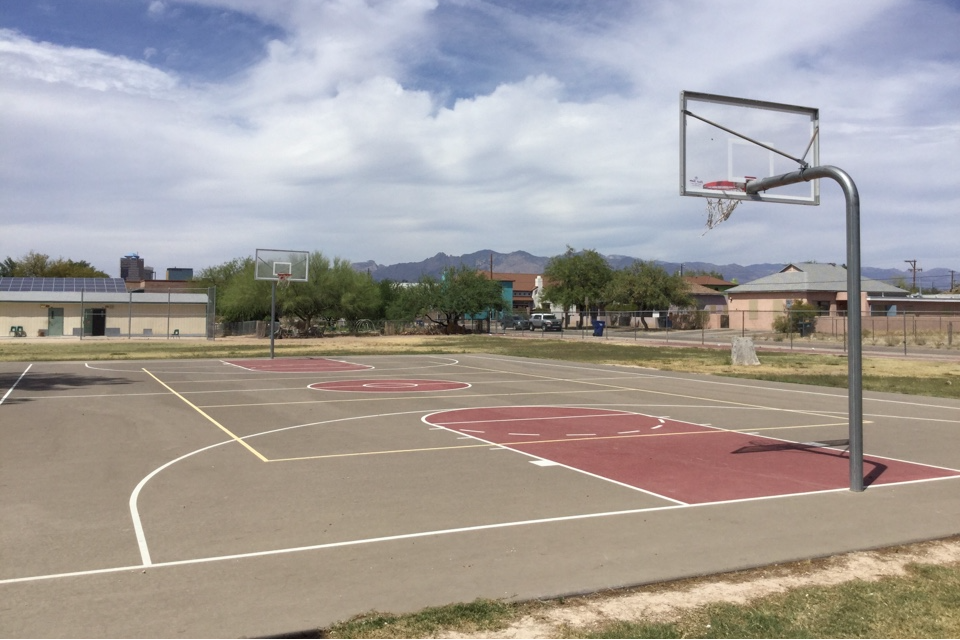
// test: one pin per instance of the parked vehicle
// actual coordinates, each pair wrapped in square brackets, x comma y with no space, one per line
[516,322]
[546,322]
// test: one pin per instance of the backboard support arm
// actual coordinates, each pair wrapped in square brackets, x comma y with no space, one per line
[854,348]
[799,161]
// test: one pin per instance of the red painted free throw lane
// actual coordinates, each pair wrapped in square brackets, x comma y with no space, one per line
[689,463]
[389,386]
[298,365]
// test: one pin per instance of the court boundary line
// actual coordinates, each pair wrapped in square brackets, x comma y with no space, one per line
[10,390]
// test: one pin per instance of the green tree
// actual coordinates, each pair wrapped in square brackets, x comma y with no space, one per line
[577,279]
[61,268]
[32,265]
[39,265]
[221,276]
[391,306]
[797,315]
[8,268]
[458,293]
[645,286]
[240,297]
[357,294]
[333,291]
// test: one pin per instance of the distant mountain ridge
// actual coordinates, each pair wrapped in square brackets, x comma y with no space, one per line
[523,262]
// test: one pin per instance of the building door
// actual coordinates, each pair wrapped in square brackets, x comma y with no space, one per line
[55,321]
[94,322]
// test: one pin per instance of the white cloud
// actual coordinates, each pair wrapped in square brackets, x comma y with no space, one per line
[156,8]
[22,59]
[329,144]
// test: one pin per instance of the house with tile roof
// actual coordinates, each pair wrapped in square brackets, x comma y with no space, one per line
[756,304]
[524,290]
[707,299]
[710,282]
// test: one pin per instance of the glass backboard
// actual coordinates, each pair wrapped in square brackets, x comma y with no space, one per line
[725,142]
[272,263]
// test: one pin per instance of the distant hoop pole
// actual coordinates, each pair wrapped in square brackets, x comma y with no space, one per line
[283,280]
[854,347]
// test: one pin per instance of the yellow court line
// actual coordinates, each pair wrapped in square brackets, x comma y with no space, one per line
[205,415]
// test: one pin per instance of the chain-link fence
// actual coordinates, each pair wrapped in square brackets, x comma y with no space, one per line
[933,330]
[804,327]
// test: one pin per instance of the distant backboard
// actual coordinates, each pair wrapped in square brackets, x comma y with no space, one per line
[725,142]
[271,263]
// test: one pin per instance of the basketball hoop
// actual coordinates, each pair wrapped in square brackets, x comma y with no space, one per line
[283,279]
[719,209]
[726,185]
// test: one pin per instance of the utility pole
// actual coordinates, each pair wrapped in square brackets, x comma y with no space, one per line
[951,280]
[914,269]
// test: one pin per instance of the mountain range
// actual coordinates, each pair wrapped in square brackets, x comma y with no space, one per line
[523,262]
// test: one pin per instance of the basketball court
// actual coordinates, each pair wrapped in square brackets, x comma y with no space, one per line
[270,496]
[263,497]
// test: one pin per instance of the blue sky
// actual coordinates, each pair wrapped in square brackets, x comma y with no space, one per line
[194,132]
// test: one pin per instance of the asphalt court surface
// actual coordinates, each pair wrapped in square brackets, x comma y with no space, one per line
[256,497]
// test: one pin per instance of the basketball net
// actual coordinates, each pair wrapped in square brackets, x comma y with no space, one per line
[718,210]
[283,279]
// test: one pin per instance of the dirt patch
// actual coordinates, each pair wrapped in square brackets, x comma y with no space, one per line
[665,602]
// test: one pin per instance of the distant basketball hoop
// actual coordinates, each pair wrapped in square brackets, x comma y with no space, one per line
[280,267]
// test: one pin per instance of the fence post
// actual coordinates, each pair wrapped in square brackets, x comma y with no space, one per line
[212,312]
[904,333]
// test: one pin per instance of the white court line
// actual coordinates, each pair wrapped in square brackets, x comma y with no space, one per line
[677,378]
[10,390]
[422,534]
[147,561]
[142,540]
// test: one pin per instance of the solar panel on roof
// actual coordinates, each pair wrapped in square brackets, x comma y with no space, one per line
[58,285]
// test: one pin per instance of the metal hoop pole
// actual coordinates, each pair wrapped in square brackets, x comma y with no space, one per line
[273,313]
[855,349]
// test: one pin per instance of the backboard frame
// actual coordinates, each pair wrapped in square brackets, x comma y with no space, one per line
[726,139]
[269,263]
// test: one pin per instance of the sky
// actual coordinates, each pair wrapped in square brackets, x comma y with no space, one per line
[193,132]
